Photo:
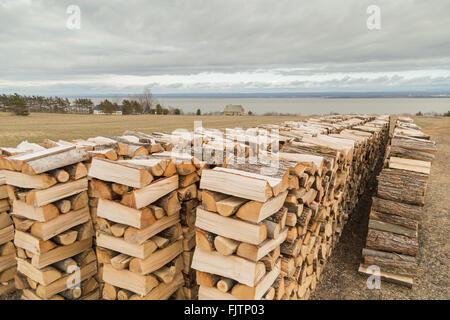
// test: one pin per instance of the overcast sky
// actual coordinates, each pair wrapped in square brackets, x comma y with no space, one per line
[196,46]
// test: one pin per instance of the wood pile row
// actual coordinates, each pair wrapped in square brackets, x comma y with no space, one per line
[47,190]
[115,148]
[139,227]
[250,248]
[7,249]
[392,240]
[165,225]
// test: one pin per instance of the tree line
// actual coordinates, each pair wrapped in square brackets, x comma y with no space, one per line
[138,104]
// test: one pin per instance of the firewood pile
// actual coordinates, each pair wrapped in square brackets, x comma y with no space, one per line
[47,190]
[392,240]
[268,236]
[7,249]
[208,214]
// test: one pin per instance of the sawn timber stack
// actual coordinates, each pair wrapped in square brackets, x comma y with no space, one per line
[392,242]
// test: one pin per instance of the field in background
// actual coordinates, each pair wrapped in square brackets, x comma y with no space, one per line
[434,126]
[39,126]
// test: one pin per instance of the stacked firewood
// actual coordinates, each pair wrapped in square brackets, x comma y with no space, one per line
[7,249]
[251,230]
[392,240]
[327,167]
[139,229]
[111,148]
[338,171]
[53,229]
[240,228]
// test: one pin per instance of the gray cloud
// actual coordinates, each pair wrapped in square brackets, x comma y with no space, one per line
[176,37]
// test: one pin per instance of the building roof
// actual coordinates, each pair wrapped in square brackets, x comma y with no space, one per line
[234,108]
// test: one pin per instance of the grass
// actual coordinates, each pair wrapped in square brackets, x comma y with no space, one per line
[39,126]
[435,126]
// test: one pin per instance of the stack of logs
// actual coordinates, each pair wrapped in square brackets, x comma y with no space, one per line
[138,217]
[53,229]
[257,232]
[325,166]
[7,249]
[241,226]
[392,239]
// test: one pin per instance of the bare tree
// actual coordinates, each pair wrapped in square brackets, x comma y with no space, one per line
[146,100]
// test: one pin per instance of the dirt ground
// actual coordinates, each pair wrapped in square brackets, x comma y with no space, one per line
[341,280]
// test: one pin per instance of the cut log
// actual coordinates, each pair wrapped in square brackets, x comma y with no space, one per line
[163,291]
[228,206]
[65,238]
[60,253]
[79,201]
[225,246]
[117,244]
[386,276]
[47,230]
[170,203]
[21,180]
[120,189]
[125,279]
[137,236]
[60,285]
[64,206]
[225,284]
[122,173]
[233,267]
[210,199]
[239,183]
[257,252]
[156,260]
[77,171]
[60,175]
[7,261]
[243,292]
[396,208]
[207,293]
[57,192]
[402,186]
[48,159]
[121,261]
[68,265]
[393,228]
[386,241]
[393,219]
[118,230]
[204,240]
[410,165]
[119,213]
[31,243]
[143,197]
[391,262]
[255,211]
[230,228]
[43,276]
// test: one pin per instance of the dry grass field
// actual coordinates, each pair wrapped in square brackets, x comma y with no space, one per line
[39,126]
